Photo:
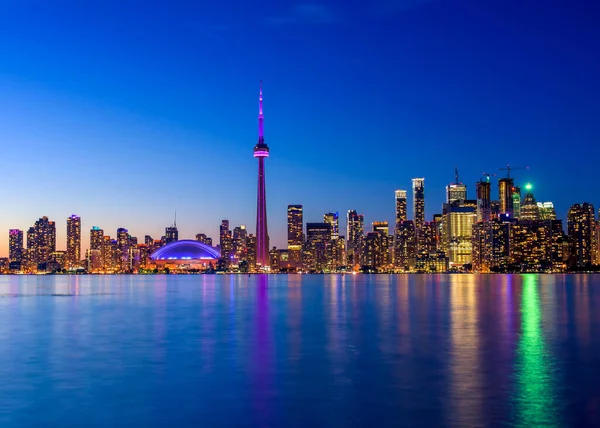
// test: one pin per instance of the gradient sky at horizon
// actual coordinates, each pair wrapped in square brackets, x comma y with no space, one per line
[125,111]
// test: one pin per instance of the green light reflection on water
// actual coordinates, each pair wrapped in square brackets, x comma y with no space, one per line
[535,397]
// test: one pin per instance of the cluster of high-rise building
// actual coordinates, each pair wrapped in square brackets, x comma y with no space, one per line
[513,233]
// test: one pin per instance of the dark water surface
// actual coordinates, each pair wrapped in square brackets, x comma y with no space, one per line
[300,351]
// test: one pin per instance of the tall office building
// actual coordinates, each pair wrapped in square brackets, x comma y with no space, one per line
[505,195]
[383,229]
[400,206]
[484,211]
[456,191]
[295,237]
[516,197]
[581,228]
[201,237]
[373,251]
[123,246]
[334,220]
[355,225]
[15,245]
[96,253]
[41,239]
[239,249]
[418,185]
[73,257]
[546,210]
[405,245]
[457,230]
[251,251]
[261,151]
[226,241]
[318,239]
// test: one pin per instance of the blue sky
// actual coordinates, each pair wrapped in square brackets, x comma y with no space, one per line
[125,111]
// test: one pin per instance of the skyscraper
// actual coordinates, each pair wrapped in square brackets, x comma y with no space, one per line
[41,239]
[171,232]
[225,241]
[516,198]
[355,226]
[418,201]
[15,245]
[581,228]
[456,191]
[484,211]
[505,191]
[334,220]
[73,257]
[318,239]
[295,237]
[96,255]
[240,236]
[400,206]
[123,246]
[261,151]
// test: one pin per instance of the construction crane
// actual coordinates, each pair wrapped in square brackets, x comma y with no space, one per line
[487,176]
[509,168]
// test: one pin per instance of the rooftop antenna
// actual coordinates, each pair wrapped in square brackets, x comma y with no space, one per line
[456,175]
[175,222]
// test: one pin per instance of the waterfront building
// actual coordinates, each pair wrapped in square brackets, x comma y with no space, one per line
[295,236]
[261,152]
[225,243]
[418,186]
[436,262]
[274,260]
[240,236]
[73,257]
[530,246]
[318,238]
[15,246]
[458,219]
[383,229]
[251,252]
[41,240]
[123,245]
[355,229]
[405,245]
[374,251]
[581,228]
[96,252]
[184,255]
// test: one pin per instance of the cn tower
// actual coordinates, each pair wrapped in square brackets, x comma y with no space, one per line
[261,151]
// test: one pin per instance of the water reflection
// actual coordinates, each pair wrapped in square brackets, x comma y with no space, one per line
[466,394]
[535,400]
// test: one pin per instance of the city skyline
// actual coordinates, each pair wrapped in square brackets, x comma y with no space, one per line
[126,135]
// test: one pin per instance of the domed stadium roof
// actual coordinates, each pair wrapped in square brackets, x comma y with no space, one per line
[186,250]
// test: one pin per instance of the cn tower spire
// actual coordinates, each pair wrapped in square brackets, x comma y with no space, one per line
[261,151]
[261,118]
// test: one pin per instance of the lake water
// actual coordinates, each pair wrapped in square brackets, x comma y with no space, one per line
[300,351]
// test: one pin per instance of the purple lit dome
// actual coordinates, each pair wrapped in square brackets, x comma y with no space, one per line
[186,250]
